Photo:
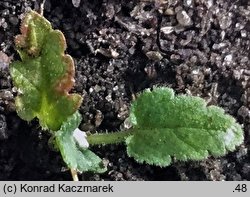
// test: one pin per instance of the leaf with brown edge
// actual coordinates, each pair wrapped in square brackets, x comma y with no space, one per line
[45,75]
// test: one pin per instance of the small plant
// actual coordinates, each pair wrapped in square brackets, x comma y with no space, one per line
[164,126]
[44,77]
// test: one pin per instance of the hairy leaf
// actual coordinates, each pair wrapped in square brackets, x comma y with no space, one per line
[45,75]
[74,156]
[182,127]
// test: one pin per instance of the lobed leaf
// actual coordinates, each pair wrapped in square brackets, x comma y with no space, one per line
[166,126]
[45,75]
[74,156]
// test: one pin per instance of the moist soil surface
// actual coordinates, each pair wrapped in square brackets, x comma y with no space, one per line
[196,47]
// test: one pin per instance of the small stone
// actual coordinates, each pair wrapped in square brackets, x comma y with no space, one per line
[195,72]
[167,29]
[123,111]
[5,12]
[183,18]
[209,3]
[110,11]
[242,152]
[243,33]
[106,162]
[239,26]
[2,21]
[179,28]
[91,90]
[243,112]
[178,9]
[119,175]
[186,41]
[216,175]
[194,59]
[6,95]
[110,68]
[219,46]
[188,3]
[97,88]
[244,59]
[107,52]
[175,57]
[115,88]
[169,12]
[225,22]
[76,3]
[228,58]
[154,55]
[4,60]
[237,74]
[109,98]
[5,25]
[127,123]
[114,54]
[223,34]
[98,118]
[132,50]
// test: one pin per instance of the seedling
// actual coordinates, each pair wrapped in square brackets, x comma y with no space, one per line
[44,77]
[164,126]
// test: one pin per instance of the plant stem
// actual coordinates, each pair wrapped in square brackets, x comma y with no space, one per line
[108,138]
[74,174]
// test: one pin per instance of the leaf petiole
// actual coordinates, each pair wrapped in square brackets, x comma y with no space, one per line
[109,138]
[74,174]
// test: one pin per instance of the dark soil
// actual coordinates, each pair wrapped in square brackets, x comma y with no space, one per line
[198,47]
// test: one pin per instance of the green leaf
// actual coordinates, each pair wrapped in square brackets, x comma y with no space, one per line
[183,127]
[74,156]
[45,75]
